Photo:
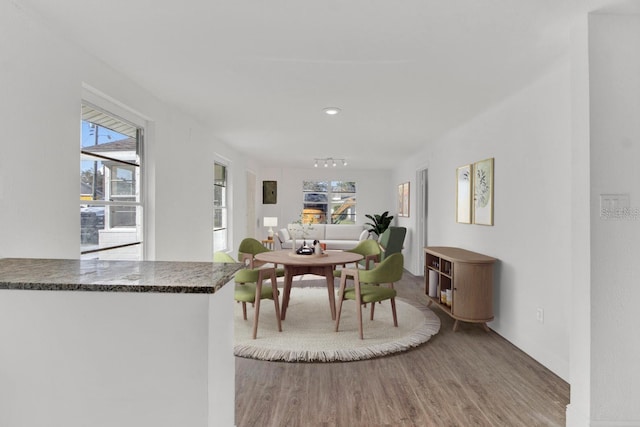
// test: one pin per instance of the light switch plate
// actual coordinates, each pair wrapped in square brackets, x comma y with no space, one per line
[613,202]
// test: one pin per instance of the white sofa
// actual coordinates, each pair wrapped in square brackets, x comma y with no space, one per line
[335,236]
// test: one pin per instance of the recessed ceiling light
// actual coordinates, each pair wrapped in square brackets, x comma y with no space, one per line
[332,111]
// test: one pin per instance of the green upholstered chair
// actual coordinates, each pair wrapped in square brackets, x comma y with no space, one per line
[391,241]
[248,249]
[366,290]
[369,249]
[249,289]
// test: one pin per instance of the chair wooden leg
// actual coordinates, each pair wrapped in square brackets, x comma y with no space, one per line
[393,310]
[373,306]
[244,310]
[263,275]
[256,313]
[356,282]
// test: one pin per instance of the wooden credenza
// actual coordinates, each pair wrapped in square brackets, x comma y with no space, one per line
[463,283]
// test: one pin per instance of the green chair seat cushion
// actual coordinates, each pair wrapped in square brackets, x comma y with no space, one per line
[247,292]
[371,293]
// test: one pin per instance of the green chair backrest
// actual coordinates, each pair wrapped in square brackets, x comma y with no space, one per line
[252,246]
[388,271]
[223,257]
[391,241]
[366,247]
[245,275]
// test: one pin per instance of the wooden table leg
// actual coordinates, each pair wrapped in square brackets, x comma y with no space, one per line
[286,292]
[274,290]
[328,273]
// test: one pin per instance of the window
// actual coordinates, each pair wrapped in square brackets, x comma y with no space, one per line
[219,207]
[110,199]
[329,202]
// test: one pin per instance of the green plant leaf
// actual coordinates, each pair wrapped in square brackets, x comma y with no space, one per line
[379,222]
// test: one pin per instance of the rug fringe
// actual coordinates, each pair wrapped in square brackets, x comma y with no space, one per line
[416,337]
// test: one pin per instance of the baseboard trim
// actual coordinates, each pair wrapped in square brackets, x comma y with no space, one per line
[576,418]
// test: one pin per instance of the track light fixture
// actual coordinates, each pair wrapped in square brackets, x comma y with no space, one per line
[326,161]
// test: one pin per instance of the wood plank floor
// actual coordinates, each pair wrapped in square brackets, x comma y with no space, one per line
[467,378]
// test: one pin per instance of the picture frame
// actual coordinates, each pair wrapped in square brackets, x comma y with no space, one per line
[269,192]
[403,199]
[464,195]
[483,189]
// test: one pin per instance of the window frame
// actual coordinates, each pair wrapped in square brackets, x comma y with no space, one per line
[223,208]
[323,192]
[92,113]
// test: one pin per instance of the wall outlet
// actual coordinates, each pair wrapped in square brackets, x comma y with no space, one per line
[540,315]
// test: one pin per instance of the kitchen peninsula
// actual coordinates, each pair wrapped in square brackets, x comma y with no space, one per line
[104,343]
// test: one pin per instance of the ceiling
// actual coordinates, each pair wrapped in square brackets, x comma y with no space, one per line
[259,73]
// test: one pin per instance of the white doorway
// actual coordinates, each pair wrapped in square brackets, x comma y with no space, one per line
[422,196]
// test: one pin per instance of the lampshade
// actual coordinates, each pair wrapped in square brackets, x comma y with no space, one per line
[270,221]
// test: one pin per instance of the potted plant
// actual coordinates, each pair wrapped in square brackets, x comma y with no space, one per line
[379,223]
[302,231]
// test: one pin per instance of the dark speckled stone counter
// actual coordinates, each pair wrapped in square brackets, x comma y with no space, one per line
[114,276]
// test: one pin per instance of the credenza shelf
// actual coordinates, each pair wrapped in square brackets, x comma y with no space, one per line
[468,276]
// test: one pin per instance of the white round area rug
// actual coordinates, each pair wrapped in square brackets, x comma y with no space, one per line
[308,333]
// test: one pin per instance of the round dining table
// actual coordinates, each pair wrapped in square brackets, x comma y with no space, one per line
[296,265]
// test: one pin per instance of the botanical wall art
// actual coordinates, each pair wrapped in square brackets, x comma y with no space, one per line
[403,199]
[483,192]
[463,194]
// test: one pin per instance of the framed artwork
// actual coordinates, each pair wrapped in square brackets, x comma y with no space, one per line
[483,192]
[403,199]
[464,179]
[269,192]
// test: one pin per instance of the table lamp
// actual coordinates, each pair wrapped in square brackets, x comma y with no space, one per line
[270,221]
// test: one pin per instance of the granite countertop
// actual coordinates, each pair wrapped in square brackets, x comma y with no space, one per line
[114,276]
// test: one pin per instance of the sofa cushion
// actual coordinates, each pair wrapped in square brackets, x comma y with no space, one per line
[343,232]
[340,244]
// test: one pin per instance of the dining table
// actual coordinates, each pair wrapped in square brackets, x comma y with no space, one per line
[318,264]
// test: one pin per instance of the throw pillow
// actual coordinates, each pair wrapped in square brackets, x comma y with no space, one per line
[284,234]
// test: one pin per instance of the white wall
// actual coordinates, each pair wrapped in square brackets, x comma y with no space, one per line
[43,79]
[374,192]
[413,253]
[528,134]
[615,150]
